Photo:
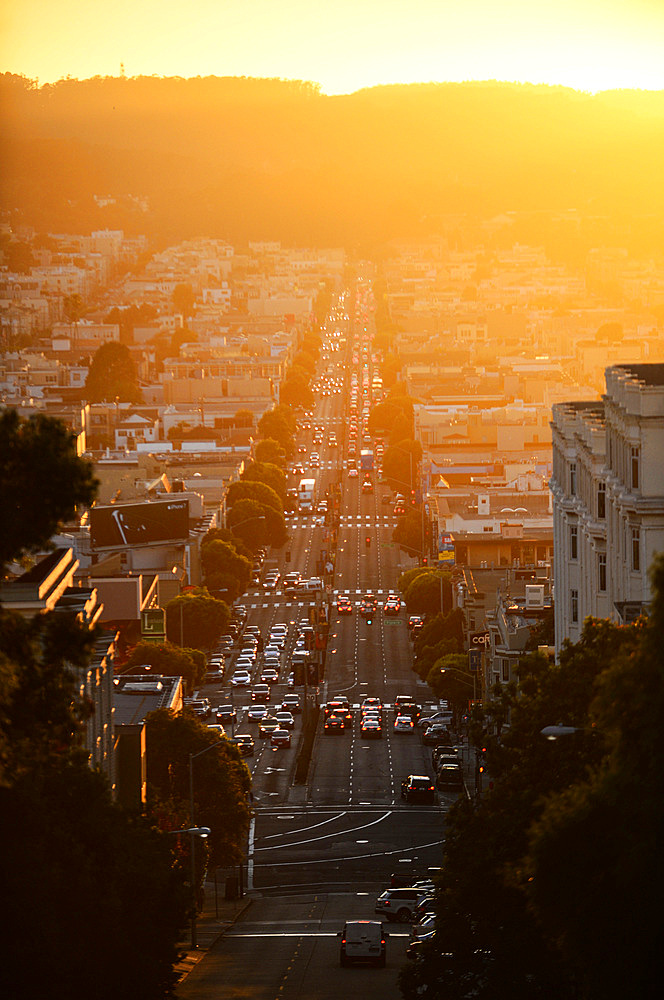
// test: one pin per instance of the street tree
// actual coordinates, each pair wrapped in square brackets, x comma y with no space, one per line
[265,472]
[502,915]
[221,780]
[423,595]
[400,465]
[221,560]
[245,489]
[112,375]
[269,450]
[42,481]
[295,390]
[195,618]
[278,424]
[169,659]
[450,678]
[184,299]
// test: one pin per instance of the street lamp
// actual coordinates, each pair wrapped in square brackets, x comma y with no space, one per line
[194,831]
[461,677]
[246,520]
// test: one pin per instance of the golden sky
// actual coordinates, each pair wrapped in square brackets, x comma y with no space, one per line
[341,44]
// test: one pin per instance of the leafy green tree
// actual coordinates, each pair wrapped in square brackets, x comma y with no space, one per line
[184,299]
[246,489]
[220,560]
[400,465]
[450,678]
[265,472]
[42,481]
[492,939]
[169,659]
[295,390]
[423,595]
[406,578]
[303,359]
[269,450]
[278,424]
[221,780]
[226,535]
[107,885]
[408,532]
[257,524]
[113,375]
[602,906]
[196,618]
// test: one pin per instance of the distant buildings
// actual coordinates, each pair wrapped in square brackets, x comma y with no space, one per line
[608,498]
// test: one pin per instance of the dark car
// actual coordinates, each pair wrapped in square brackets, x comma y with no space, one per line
[418,788]
[339,708]
[435,735]
[226,713]
[244,743]
[450,777]
[335,724]
[408,708]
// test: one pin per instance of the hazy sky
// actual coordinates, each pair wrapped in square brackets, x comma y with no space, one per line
[341,44]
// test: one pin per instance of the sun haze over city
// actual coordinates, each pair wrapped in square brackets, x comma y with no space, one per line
[343,45]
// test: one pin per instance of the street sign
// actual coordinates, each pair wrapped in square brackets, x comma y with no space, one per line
[474,660]
[392,621]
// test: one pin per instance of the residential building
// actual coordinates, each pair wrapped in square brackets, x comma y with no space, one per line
[608,498]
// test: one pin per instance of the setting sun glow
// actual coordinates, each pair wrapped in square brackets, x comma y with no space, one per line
[342,45]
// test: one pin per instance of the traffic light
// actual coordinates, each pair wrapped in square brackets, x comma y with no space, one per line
[425,561]
[367,541]
[369,619]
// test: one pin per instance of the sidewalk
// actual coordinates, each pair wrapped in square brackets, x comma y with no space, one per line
[214,920]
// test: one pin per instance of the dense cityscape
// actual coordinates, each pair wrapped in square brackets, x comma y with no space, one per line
[332,540]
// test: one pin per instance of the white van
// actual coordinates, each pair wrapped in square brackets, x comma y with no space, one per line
[362,941]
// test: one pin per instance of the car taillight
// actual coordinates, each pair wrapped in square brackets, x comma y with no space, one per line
[386,902]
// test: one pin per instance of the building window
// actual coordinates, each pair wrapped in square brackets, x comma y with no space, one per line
[573,542]
[636,550]
[572,479]
[601,571]
[505,676]
[574,605]
[636,467]
[601,501]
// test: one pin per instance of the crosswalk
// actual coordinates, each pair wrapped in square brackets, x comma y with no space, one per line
[263,600]
[347,521]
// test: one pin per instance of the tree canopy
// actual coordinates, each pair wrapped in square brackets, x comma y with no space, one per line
[552,880]
[112,375]
[169,659]
[42,481]
[195,618]
[264,472]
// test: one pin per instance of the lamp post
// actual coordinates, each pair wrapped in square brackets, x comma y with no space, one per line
[246,520]
[192,829]
[462,678]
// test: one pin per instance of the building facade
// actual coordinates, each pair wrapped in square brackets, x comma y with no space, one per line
[608,499]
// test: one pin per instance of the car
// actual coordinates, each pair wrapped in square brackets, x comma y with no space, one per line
[267,726]
[248,653]
[418,788]
[245,744]
[199,706]
[352,474]
[435,734]
[443,717]
[241,678]
[367,486]
[449,777]
[407,708]
[226,714]
[371,726]
[367,609]
[269,675]
[270,582]
[340,707]
[291,703]
[280,738]
[391,608]
[363,941]
[256,712]
[260,692]
[285,718]
[344,606]
[335,724]
[400,904]
[403,724]
[371,704]
[445,750]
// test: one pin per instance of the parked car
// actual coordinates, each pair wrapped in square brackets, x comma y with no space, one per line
[435,734]
[399,904]
[363,941]
[449,778]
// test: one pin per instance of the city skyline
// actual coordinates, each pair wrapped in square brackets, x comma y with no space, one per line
[589,45]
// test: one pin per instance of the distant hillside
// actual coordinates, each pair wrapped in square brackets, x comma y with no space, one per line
[245,158]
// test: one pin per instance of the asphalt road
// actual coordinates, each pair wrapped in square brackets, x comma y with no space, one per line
[320,854]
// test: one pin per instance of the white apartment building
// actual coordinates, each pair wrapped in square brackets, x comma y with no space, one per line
[608,499]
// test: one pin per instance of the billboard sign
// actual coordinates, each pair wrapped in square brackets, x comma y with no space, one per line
[445,549]
[144,523]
